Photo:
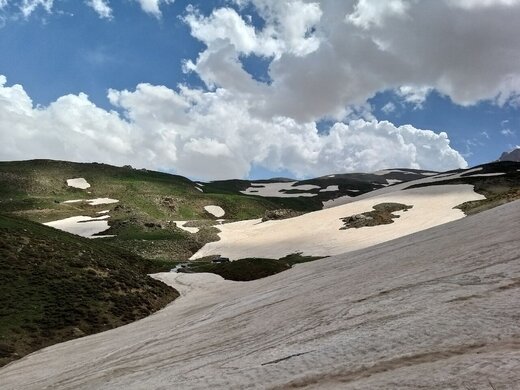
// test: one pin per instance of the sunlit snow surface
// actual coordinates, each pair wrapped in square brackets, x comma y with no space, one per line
[216,211]
[78,182]
[82,225]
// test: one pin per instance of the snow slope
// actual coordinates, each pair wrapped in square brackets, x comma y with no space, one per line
[318,233]
[402,186]
[437,309]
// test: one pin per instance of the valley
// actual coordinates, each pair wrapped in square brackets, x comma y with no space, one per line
[79,240]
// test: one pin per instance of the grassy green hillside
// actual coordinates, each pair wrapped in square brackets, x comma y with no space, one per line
[148,202]
[38,186]
[244,270]
[57,286]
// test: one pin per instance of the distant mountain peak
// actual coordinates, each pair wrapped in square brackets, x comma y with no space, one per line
[513,155]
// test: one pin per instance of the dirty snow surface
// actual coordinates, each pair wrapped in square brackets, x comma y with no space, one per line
[216,211]
[318,233]
[433,310]
[78,182]
[81,225]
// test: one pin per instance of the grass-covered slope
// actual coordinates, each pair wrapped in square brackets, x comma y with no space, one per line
[244,270]
[148,202]
[38,186]
[56,286]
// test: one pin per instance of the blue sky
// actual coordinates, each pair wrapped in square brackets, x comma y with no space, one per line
[480,132]
[70,49]
[75,51]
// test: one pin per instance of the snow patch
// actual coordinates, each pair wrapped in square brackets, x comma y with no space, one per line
[388,171]
[488,174]
[446,176]
[403,172]
[330,188]
[318,233]
[78,182]
[217,211]
[82,225]
[277,189]
[98,201]
[93,202]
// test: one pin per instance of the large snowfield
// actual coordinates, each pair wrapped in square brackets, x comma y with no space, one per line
[437,309]
[318,233]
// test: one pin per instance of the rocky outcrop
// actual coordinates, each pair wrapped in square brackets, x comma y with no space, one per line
[169,202]
[280,214]
[381,215]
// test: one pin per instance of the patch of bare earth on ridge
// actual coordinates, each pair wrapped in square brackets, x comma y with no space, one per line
[495,196]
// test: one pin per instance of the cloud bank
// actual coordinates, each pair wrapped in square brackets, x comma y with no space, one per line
[343,52]
[326,59]
[208,135]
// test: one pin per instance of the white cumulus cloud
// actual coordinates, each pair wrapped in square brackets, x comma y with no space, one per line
[388,108]
[370,12]
[326,59]
[344,52]
[507,132]
[413,95]
[101,7]
[27,7]
[207,135]
[152,7]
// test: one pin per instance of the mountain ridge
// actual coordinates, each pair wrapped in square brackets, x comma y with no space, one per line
[513,155]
